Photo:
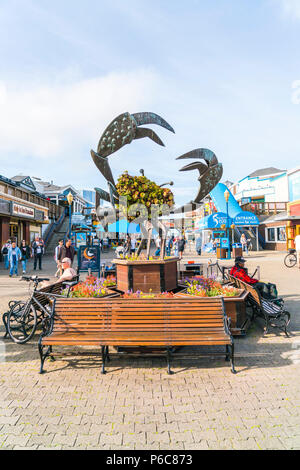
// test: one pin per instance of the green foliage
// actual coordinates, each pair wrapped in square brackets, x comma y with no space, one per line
[140,190]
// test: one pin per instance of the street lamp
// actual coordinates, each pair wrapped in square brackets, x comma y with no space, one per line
[226,196]
[70,199]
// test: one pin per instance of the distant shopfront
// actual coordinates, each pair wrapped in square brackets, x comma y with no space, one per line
[20,221]
[210,225]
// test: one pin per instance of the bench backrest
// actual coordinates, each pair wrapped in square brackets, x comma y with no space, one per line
[253,292]
[234,280]
[55,288]
[243,285]
[148,315]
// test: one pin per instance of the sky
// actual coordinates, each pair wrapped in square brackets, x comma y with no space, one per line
[224,73]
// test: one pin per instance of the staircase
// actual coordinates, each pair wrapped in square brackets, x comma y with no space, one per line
[250,234]
[56,235]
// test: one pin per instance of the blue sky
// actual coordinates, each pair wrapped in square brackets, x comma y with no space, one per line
[220,72]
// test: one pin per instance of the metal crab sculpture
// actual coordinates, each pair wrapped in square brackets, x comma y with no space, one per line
[209,173]
[122,131]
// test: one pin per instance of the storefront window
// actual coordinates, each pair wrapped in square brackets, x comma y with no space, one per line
[271,234]
[276,234]
[281,234]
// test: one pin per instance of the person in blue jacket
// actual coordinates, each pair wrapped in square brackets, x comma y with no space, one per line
[199,245]
[14,255]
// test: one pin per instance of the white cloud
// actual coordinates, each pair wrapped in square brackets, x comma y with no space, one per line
[290,7]
[53,121]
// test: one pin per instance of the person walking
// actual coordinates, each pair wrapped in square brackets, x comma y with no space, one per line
[37,253]
[199,245]
[175,245]
[170,245]
[297,247]
[133,244]
[127,245]
[14,255]
[157,244]
[25,252]
[181,245]
[4,252]
[67,251]
[57,257]
[244,243]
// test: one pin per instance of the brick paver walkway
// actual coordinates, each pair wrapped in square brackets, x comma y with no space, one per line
[138,406]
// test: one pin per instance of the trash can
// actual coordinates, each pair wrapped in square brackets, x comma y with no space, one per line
[221,253]
[237,250]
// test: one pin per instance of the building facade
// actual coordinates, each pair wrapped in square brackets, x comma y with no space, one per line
[23,210]
[274,195]
[58,195]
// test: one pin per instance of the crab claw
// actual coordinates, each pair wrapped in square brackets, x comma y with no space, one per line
[202,154]
[151,118]
[125,128]
[103,166]
[209,173]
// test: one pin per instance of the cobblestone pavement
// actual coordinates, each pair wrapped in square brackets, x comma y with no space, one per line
[138,406]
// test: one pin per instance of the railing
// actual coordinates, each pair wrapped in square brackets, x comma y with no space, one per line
[55,225]
[265,208]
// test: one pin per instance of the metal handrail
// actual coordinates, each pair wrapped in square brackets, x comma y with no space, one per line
[54,225]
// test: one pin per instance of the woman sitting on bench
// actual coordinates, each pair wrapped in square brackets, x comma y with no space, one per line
[267,291]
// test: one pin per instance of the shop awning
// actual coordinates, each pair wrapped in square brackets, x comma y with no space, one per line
[243,219]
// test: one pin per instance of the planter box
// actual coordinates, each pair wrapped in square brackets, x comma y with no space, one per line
[155,275]
[110,294]
[235,308]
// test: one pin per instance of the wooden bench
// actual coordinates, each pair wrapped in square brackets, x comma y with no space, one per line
[117,322]
[272,311]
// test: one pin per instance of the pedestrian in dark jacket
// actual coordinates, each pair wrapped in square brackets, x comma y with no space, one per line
[67,251]
[25,253]
[37,253]
[181,245]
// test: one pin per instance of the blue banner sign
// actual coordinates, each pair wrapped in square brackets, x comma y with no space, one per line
[89,258]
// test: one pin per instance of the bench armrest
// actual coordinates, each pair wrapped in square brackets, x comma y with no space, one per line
[69,283]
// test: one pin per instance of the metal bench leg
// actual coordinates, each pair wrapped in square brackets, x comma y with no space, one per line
[227,357]
[286,322]
[107,354]
[4,319]
[43,356]
[51,356]
[232,358]
[170,372]
[103,350]
[267,325]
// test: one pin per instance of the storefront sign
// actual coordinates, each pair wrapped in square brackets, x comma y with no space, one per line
[22,211]
[245,218]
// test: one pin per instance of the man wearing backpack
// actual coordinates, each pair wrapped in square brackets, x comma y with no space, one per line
[37,253]
[4,252]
